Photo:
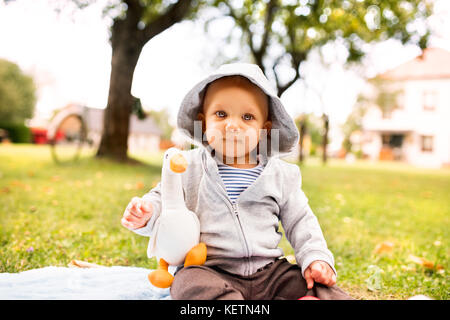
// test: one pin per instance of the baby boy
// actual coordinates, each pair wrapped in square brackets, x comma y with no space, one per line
[241,189]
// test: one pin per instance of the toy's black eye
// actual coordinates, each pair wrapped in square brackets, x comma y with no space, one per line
[167,156]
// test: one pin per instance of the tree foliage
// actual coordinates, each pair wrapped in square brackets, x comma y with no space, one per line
[161,118]
[17,94]
[280,34]
[354,121]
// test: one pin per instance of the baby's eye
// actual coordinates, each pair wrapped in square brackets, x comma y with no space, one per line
[220,114]
[247,116]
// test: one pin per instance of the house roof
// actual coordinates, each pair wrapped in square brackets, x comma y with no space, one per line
[433,63]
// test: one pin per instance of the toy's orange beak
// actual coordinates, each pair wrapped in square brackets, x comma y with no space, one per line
[178,163]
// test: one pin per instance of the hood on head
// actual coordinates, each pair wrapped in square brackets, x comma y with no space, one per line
[284,134]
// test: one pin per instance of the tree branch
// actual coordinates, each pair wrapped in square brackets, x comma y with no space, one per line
[175,13]
[271,8]
[282,88]
[242,24]
[296,59]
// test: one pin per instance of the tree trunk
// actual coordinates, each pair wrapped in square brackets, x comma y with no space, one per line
[114,143]
[125,54]
[302,136]
[127,41]
[325,137]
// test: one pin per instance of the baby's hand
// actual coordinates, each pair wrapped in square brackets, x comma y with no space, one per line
[321,272]
[137,213]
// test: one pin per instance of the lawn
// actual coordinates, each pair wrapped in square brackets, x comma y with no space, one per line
[387,224]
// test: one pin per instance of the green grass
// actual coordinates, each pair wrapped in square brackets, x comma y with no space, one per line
[51,214]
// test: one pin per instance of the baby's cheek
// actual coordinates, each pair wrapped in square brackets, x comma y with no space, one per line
[251,138]
[213,135]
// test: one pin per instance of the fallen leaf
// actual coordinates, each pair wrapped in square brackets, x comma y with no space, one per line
[128,186]
[5,190]
[427,194]
[424,262]
[56,178]
[99,174]
[339,197]
[17,183]
[83,264]
[385,246]
[408,268]
[48,190]
[139,185]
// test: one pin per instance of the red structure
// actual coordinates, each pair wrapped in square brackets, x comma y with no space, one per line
[39,135]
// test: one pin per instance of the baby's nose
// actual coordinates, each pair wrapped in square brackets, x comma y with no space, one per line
[232,126]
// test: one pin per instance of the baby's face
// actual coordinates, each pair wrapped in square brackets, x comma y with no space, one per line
[233,116]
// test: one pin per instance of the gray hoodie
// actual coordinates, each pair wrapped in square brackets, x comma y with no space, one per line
[242,237]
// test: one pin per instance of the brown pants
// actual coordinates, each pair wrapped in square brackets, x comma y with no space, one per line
[280,280]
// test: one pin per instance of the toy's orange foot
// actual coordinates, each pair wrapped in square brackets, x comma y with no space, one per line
[196,256]
[160,278]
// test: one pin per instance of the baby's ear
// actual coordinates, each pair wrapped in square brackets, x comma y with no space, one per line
[201,117]
[268,126]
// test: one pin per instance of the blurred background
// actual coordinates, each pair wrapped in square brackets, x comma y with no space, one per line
[90,90]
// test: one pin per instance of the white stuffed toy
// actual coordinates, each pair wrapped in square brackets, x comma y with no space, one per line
[176,234]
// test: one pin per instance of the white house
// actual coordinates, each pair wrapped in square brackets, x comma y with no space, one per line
[144,135]
[418,129]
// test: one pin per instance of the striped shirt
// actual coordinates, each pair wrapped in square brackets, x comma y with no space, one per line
[236,180]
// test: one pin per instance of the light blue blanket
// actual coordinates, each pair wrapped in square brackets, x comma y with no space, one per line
[60,283]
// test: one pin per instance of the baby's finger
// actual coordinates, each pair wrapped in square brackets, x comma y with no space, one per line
[136,211]
[132,218]
[134,201]
[332,281]
[146,206]
[317,270]
[127,224]
[331,278]
[308,278]
[321,279]
[130,205]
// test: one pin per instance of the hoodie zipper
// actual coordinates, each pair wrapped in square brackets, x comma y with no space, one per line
[234,212]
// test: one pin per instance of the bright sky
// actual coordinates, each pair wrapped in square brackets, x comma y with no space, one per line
[69,56]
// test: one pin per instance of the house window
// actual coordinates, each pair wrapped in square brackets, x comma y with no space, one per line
[429,100]
[427,143]
[385,139]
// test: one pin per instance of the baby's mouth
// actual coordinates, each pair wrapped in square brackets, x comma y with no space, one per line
[233,139]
